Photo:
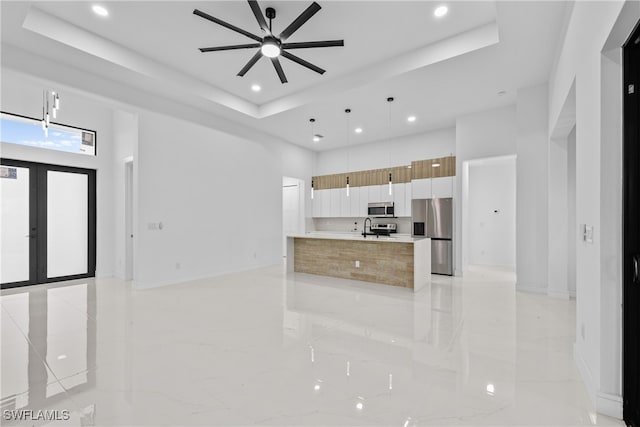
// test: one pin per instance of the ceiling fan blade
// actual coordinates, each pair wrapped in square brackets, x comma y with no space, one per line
[302,62]
[297,23]
[226,25]
[305,45]
[251,63]
[278,67]
[237,46]
[255,8]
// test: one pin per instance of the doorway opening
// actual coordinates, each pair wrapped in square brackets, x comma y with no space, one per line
[292,209]
[631,229]
[489,213]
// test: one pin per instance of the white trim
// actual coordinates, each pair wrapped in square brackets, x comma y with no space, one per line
[559,294]
[531,289]
[585,374]
[142,285]
[609,404]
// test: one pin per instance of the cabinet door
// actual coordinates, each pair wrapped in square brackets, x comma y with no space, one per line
[407,198]
[374,193]
[384,193]
[318,202]
[336,196]
[398,199]
[421,188]
[325,200]
[355,209]
[345,202]
[442,187]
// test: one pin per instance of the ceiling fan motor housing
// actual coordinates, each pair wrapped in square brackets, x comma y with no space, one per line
[270,13]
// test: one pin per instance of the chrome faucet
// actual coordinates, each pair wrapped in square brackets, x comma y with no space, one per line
[364,227]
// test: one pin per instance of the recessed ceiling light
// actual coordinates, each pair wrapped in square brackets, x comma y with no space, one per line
[440,11]
[411,119]
[256,88]
[358,130]
[100,10]
[502,92]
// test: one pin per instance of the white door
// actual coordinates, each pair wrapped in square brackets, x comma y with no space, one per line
[290,212]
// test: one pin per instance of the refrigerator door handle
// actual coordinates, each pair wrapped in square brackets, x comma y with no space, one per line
[636,274]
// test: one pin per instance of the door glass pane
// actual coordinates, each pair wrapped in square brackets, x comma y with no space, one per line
[14,224]
[67,223]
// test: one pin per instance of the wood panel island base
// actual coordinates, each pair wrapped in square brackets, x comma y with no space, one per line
[396,261]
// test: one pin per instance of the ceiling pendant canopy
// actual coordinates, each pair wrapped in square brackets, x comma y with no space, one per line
[270,45]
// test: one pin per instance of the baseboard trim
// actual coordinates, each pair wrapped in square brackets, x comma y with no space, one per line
[609,404]
[143,285]
[585,374]
[559,294]
[531,289]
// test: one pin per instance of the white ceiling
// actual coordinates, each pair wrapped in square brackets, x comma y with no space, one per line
[437,69]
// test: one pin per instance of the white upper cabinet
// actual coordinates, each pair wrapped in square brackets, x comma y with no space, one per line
[336,195]
[442,187]
[374,193]
[399,199]
[321,203]
[355,202]
[345,202]
[421,188]
[407,198]
[384,193]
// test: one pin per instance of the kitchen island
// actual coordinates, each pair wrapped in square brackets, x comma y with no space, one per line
[395,260]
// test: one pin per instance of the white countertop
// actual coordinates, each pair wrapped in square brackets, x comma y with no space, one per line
[334,235]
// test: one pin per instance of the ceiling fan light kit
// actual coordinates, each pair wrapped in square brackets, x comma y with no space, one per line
[270,45]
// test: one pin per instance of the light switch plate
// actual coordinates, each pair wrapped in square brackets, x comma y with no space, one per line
[587,233]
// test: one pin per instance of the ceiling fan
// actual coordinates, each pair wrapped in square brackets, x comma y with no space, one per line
[270,45]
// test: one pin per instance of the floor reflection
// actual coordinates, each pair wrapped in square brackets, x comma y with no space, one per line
[48,346]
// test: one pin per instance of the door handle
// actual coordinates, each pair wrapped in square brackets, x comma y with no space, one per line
[636,273]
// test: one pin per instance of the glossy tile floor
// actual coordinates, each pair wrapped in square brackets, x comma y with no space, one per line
[261,347]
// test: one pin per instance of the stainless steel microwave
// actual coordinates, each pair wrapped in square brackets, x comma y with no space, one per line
[381,209]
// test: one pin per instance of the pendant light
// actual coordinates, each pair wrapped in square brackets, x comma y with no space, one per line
[348,111]
[312,121]
[55,106]
[389,101]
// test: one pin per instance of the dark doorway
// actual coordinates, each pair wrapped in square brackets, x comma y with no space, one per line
[48,223]
[631,234]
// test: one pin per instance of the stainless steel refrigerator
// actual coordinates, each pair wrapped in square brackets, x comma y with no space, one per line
[440,230]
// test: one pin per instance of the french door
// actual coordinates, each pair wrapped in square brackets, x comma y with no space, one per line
[47,223]
[631,234]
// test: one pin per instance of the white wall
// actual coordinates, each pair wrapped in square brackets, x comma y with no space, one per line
[492,235]
[592,26]
[572,225]
[22,94]
[382,154]
[219,198]
[532,167]
[480,135]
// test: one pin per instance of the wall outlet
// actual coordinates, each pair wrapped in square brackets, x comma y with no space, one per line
[357,264]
